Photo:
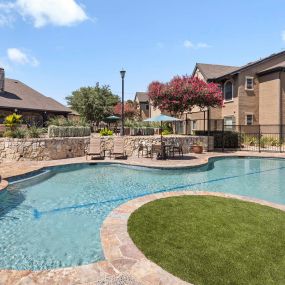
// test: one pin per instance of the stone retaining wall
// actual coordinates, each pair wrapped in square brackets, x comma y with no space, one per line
[60,148]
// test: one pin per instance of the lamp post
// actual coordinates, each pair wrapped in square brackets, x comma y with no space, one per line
[123,73]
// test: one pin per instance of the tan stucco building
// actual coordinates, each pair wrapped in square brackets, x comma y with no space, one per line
[253,94]
[144,106]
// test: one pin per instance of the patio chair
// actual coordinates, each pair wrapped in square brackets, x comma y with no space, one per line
[95,148]
[178,148]
[144,150]
[119,148]
[158,150]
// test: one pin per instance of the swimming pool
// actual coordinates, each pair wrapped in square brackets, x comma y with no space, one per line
[53,218]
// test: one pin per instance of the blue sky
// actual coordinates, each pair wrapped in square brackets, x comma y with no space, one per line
[57,46]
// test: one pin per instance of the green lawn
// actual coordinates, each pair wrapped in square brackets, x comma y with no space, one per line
[212,240]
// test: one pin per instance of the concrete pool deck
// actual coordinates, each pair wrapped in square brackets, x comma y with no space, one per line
[124,263]
[15,168]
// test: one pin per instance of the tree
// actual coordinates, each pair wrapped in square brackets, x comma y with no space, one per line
[93,103]
[182,93]
[130,110]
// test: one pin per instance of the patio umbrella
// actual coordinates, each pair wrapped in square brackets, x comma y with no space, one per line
[161,118]
[112,118]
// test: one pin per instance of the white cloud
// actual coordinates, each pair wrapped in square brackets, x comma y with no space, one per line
[203,45]
[6,14]
[44,12]
[17,56]
[283,35]
[188,44]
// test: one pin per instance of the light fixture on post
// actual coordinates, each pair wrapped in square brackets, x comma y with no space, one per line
[123,73]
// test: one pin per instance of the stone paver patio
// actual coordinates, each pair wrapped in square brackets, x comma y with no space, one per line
[124,263]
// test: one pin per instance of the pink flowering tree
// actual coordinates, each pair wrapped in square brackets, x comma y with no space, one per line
[183,93]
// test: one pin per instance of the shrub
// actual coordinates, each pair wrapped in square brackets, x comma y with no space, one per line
[34,132]
[56,131]
[63,122]
[17,133]
[166,132]
[106,132]
[231,139]
[8,134]
[12,121]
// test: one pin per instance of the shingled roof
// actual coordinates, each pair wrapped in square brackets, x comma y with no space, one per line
[212,71]
[250,64]
[18,95]
[278,67]
[142,97]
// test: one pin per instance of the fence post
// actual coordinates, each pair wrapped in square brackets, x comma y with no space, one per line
[239,137]
[280,137]
[259,138]
[223,137]
[208,127]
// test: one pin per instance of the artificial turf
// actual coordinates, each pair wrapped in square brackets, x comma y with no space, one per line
[210,240]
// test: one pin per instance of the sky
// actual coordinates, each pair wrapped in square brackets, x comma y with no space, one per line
[58,46]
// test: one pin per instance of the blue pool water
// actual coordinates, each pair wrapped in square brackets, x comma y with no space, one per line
[53,219]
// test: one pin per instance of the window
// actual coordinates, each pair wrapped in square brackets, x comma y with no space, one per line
[249,119]
[147,106]
[228,91]
[194,125]
[228,122]
[248,83]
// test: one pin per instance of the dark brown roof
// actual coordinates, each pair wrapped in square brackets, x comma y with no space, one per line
[142,96]
[212,71]
[18,95]
[250,64]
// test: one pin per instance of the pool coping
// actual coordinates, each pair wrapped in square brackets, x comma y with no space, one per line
[3,185]
[200,162]
[123,254]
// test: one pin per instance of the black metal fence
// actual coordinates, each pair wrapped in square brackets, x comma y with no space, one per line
[261,138]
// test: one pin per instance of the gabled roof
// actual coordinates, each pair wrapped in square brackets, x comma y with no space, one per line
[142,97]
[18,95]
[278,67]
[212,71]
[250,64]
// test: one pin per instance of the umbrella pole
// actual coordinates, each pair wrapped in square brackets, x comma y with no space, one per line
[161,131]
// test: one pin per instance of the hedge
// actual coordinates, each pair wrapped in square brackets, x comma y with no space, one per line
[231,139]
[61,132]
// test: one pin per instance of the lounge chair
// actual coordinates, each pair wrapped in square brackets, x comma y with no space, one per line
[119,148]
[95,148]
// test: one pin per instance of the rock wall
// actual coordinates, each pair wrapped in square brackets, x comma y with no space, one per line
[42,148]
[60,148]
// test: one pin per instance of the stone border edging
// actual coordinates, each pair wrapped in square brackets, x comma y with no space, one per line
[3,185]
[123,254]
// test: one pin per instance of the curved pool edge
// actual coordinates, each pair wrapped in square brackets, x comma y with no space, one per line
[194,163]
[102,269]
[3,185]
[123,254]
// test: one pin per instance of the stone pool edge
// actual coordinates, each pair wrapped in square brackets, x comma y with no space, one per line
[3,185]
[122,257]
[122,253]
[97,271]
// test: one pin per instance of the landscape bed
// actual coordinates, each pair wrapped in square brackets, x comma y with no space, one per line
[209,240]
